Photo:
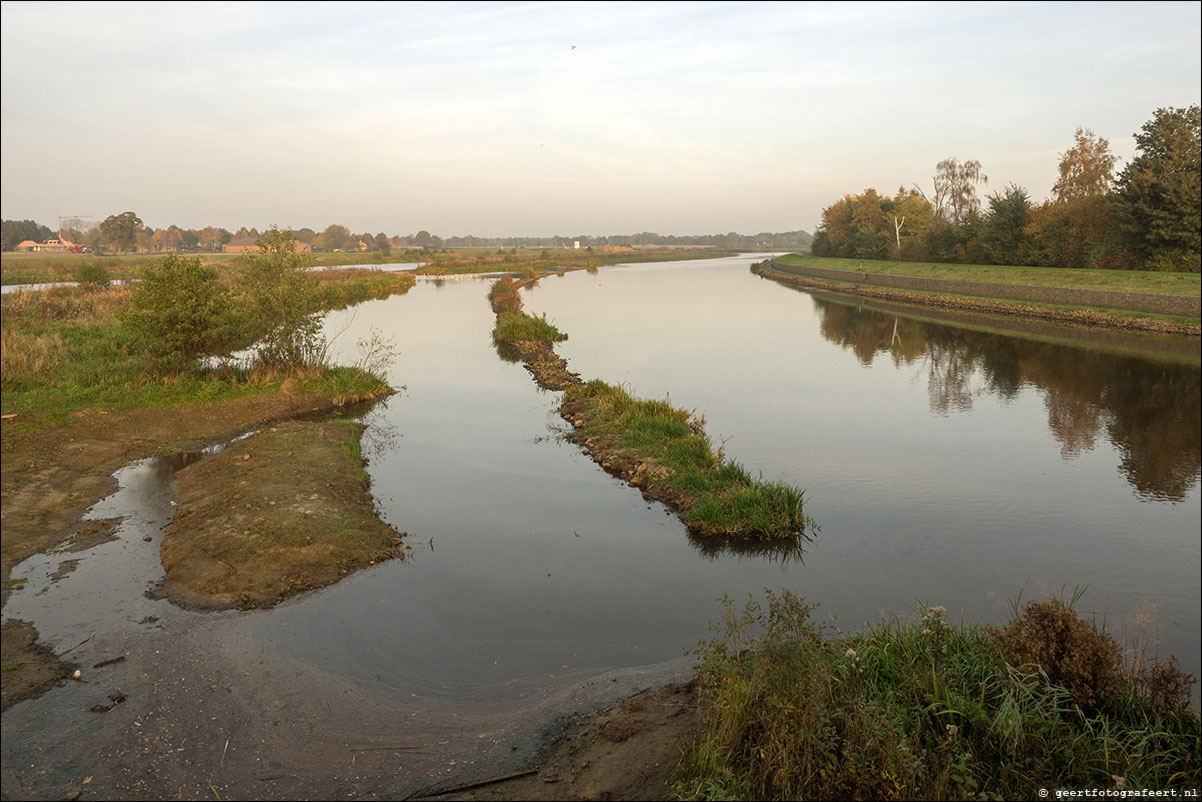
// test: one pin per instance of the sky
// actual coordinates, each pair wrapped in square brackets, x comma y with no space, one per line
[529,119]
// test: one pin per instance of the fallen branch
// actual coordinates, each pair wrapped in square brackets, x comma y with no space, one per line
[76,646]
[469,786]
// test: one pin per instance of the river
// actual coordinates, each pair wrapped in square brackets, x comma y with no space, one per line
[943,465]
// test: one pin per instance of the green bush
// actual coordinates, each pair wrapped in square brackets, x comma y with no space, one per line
[280,303]
[91,274]
[179,312]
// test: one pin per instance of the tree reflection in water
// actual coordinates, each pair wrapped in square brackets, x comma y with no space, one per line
[1150,411]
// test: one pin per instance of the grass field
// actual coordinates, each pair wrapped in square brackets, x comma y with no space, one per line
[1121,280]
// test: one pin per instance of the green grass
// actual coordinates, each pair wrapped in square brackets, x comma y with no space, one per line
[1119,280]
[716,496]
[515,327]
[914,710]
[64,350]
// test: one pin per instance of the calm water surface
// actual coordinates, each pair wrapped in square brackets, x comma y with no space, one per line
[943,465]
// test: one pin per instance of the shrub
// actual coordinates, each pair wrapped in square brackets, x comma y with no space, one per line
[922,710]
[1165,685]
[280,305]
[91,274]
[504,296]
[1072,652]
[179,312]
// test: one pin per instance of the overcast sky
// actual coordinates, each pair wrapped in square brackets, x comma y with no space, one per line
[539,119]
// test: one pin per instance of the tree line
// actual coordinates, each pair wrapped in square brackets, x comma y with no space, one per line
[126,233]
[1145,217]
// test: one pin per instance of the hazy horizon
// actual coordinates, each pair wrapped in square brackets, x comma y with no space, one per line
[543,119]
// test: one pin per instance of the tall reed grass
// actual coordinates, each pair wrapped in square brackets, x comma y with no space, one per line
[918,709]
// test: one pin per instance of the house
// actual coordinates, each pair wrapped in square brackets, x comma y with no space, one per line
[55,245]
[250,245]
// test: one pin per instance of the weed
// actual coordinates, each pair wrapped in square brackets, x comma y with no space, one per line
[913,710]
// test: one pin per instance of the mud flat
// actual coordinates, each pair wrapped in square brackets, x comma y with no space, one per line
[285,510]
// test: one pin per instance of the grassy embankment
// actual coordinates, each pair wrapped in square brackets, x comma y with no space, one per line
[925,710]
[1117,280]
[657,447]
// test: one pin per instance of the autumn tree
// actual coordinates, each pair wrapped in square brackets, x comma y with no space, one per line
[911,217]
[956,189]
[1086,169]
[335,238]
[1160,191]
[1075,227]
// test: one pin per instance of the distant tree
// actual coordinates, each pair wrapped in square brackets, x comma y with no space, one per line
[210,238]
[870,229]
[120,231]
[1086,169]
[305,235]
[1160,191]
[382,244]
[912,217]
[1002,227]
[1075,228]
[421,239]
[836,228]
[956,189]
[167,239]
[335,238]
[189,240]
[17,231]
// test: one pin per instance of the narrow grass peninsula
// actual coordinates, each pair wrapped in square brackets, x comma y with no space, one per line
[656,447]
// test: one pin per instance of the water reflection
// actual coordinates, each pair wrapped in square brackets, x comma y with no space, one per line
[1150,411]
[780,552]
